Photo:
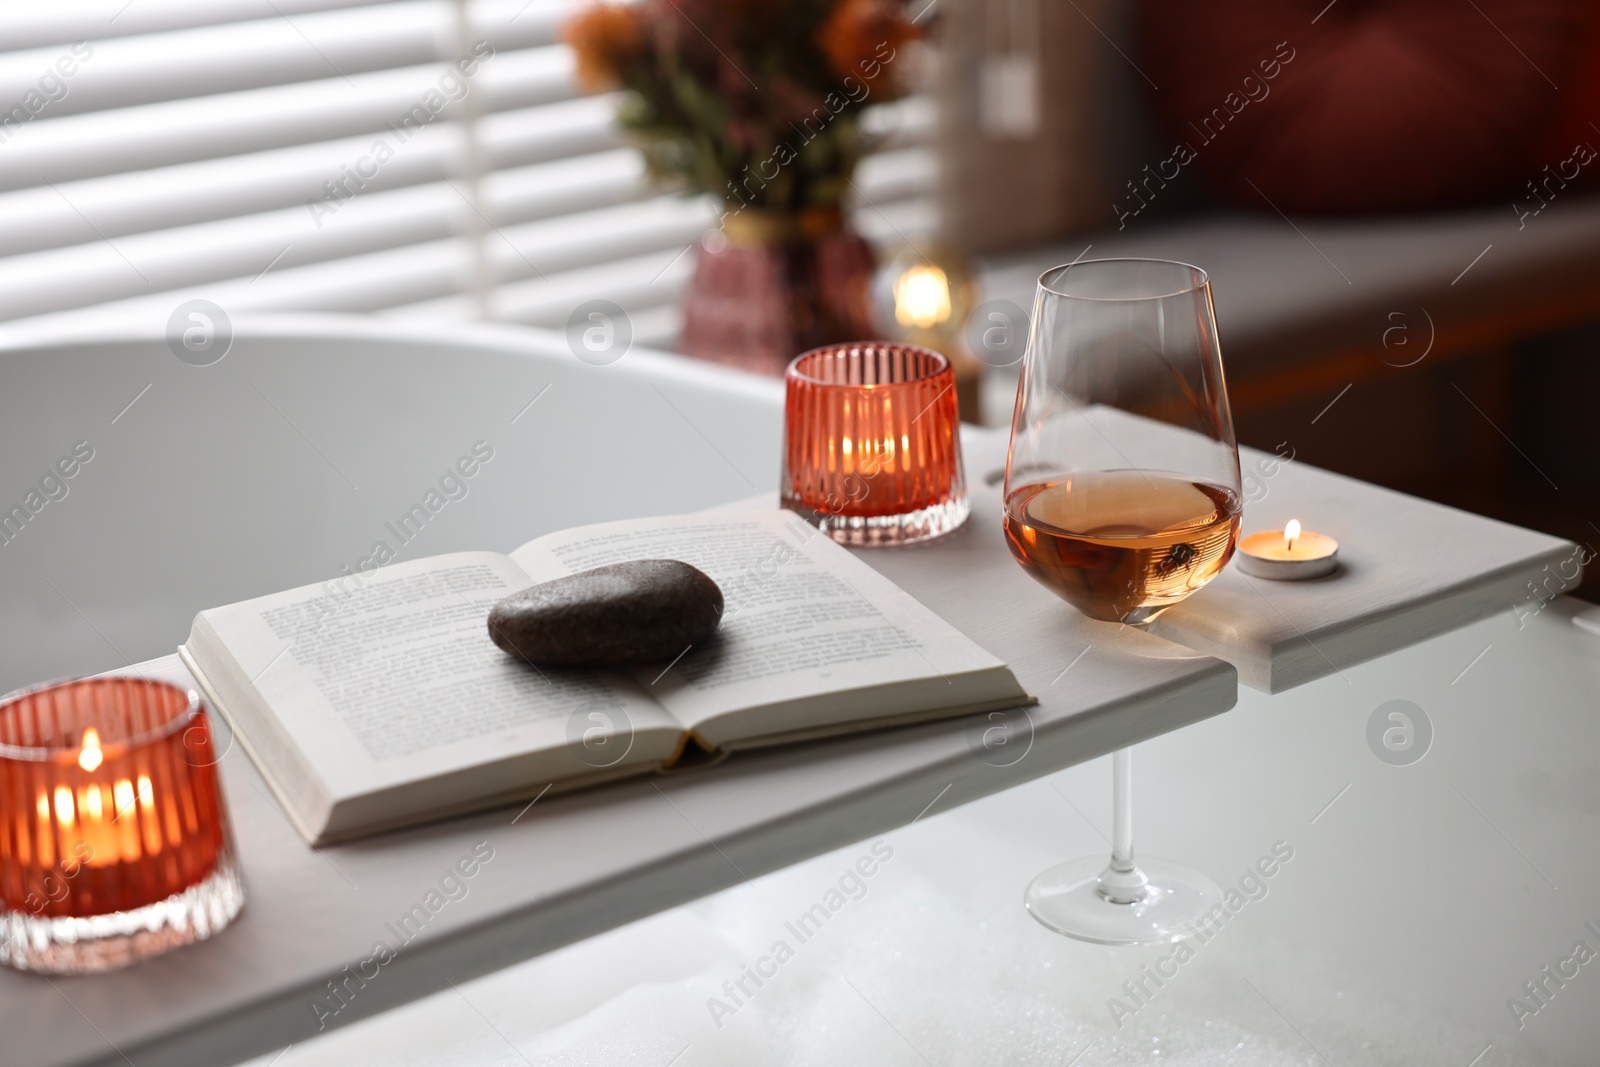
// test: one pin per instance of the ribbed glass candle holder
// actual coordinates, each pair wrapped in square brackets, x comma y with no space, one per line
[872,443]
[114,840]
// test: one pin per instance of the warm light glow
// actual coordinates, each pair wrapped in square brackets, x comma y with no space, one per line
[91,757]
[1291,534]
[122,794]
[64,809]
[922,297]
[147,796]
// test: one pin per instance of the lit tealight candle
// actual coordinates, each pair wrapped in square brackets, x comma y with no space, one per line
[117,842]
[1288,554]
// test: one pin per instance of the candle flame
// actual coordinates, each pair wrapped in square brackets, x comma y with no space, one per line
[1291,534]
[90,758]
[922,297]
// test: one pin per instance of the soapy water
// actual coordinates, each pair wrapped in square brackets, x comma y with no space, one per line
[929,980]
[929,960]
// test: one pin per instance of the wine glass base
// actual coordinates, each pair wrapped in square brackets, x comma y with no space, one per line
[1067,899]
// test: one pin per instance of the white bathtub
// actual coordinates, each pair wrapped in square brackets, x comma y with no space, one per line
[301,449]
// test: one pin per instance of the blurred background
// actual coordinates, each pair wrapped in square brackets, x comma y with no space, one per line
[1391,196]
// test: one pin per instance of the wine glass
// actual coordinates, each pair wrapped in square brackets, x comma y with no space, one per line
[1122,497]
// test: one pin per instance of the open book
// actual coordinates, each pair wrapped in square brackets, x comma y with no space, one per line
[378,700]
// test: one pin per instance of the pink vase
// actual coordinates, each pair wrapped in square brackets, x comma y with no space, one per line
[775,286]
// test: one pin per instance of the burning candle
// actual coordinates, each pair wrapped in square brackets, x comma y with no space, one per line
[923,296]
[120,846]
[1289,554]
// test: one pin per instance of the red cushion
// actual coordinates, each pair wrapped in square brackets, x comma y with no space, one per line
[1579,115]
[1378,105]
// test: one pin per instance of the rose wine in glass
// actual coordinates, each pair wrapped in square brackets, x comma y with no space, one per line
[1122,545]
[1122,518]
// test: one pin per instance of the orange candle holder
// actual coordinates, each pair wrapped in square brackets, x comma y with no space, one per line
[872,443]
[114,839]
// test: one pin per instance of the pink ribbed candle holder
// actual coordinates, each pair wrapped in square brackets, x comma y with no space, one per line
[872,443]
[114,840]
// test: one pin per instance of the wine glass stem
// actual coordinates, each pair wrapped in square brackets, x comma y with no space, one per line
[1122,882]
[1122,809]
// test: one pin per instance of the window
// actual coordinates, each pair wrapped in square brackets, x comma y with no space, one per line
[422,157]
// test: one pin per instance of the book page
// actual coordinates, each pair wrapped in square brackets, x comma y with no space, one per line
[802,617]
[392,676]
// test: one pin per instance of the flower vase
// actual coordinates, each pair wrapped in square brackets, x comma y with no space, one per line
[768,286]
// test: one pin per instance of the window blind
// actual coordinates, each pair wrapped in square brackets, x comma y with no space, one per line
[412,158]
